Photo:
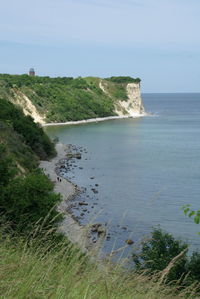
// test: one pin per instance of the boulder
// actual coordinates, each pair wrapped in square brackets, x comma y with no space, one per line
[94,190]
[101,230]
[124,227]
[77,155]
[81,203]
[129,241]
[94,227]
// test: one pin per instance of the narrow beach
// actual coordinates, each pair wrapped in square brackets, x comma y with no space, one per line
[76,233]
[92,120]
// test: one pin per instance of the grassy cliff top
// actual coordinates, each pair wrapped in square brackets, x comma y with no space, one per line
[26,80]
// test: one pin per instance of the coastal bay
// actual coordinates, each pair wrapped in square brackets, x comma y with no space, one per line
[146,169]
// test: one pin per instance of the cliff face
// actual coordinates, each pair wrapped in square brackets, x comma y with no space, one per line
[67,99]
[20,99]
[132,105]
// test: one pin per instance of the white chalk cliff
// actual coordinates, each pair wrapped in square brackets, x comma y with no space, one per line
[133,106]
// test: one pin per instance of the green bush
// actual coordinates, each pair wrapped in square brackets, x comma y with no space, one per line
[193,267]
[7,170]
[158,251]
[32,133]
[20,153]
[25,201]
[123,79]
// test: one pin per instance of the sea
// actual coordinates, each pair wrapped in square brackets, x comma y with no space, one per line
[143,171]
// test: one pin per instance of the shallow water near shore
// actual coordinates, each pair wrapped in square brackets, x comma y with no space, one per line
[142,170]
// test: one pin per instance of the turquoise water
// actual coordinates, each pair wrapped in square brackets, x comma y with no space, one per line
[146,169]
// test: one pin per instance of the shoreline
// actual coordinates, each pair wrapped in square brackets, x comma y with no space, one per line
[69,227]
[92,120]
[76,233]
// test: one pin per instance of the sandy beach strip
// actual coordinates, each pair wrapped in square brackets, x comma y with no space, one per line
[76,233]
[91,120]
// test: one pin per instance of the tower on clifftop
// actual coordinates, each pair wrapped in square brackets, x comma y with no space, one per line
[31,72]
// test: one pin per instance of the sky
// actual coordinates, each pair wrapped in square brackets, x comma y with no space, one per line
[156,40]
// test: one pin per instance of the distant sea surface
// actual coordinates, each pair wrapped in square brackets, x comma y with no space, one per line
[146,169]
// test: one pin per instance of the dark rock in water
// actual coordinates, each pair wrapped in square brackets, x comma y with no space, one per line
[124,227]
[81,203]
[84,210]
[77,155]
[82,214]
[80,167]
[108,238]
[99,229]
[94,190]
[96,185]
[94,227]
[129,241]
[92,177]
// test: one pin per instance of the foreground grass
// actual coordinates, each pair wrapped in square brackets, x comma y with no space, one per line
[39,271]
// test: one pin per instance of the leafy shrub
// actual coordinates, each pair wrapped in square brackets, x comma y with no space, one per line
[193,267]
[20,153]
[7,170]
[27,200]
[195,215]
[32,133]
[123,79]
[157,253]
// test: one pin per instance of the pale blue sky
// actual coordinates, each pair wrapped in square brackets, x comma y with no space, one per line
[156,40]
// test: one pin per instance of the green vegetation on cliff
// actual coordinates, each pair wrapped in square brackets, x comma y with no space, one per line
[26,195]
[67,99]
[13,120]
[123,79]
